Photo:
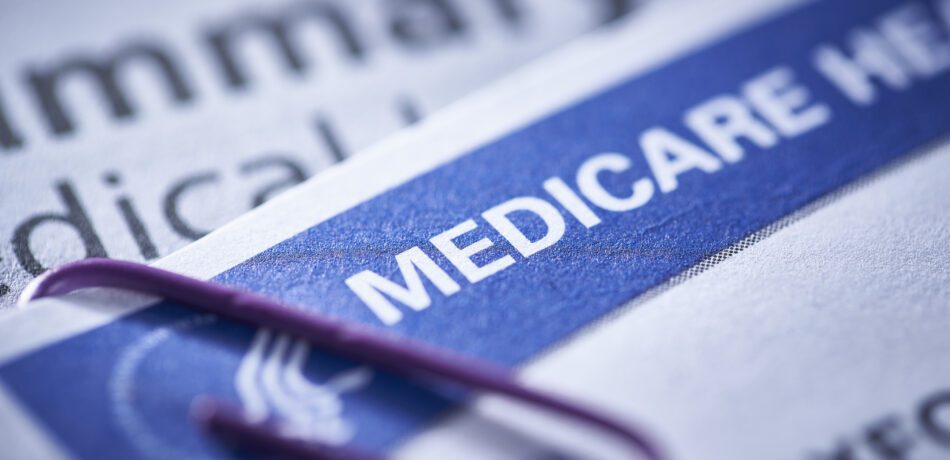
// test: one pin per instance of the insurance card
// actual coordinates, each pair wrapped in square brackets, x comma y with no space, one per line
[727,224]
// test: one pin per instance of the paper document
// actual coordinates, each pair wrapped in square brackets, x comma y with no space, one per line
[129,129]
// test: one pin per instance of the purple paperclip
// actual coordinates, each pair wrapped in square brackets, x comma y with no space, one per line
[378,348]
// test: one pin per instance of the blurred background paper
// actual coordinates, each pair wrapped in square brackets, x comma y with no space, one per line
[129,128]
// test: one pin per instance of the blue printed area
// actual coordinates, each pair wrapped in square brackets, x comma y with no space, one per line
[122,391]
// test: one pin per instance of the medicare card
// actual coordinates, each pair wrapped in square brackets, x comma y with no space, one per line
[727,224]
